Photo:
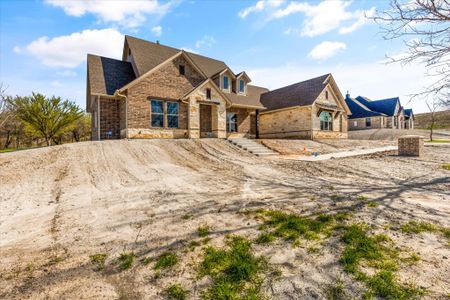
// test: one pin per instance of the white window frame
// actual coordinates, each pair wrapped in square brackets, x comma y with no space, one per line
[223,82]
[239,86]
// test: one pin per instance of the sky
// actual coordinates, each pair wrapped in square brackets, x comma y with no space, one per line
[44,43]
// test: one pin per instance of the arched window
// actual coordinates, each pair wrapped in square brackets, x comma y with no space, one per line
[326,121]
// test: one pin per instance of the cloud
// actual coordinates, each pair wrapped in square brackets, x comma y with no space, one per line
[207,41]
[259,6]
[128,14]
[396,80]
[69,51]
[362,18]
[326,50]
[157,31]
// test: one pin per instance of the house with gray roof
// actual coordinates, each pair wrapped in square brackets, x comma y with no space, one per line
[156,91]
[383,113]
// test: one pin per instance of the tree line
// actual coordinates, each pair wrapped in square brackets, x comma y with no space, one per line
[37,120]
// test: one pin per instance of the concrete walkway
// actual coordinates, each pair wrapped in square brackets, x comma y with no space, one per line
[337,154]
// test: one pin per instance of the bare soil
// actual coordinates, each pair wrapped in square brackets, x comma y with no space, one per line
[60,205]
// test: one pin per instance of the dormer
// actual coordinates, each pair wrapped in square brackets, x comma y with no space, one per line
[226,78]
[242,80]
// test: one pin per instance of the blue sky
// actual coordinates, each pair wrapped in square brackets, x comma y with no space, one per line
[44,43]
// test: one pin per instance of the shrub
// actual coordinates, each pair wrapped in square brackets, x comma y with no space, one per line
[176,292]
[166,260]
[99,260]
[126,260]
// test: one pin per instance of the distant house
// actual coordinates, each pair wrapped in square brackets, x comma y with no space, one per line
[157,91]
[310,109]
[384,113]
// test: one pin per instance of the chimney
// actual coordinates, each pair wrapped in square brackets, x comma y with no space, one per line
[347,96]
[157,41]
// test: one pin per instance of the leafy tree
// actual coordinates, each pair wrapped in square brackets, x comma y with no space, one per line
[82,128]
[48,118]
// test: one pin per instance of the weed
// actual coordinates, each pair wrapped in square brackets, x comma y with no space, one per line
[418,227]
[193,245]
[412,259]
[362,198]
[176,292]
[166,260]
[203,230]
[446,167]
[372,204]
[265,238]
[126,260]
[187,216]
[336,291]
[385,285]
[157,274]
[55,259]
[313,249]
[99,260]
[235,271]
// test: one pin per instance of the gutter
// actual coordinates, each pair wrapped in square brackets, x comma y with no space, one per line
[118,94]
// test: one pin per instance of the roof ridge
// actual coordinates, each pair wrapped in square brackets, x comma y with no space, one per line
[300,82]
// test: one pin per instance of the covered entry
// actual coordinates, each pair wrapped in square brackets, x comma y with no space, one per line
[206,120]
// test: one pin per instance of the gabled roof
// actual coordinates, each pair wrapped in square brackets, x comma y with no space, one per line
[385,106]
[409,112]
[208,80]
[106,75]
[148,55]
[251,99]
[297,94]
[359,110]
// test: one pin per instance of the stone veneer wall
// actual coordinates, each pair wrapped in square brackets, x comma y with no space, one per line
[410,145]
[244,120]
[377,122]
[287,123]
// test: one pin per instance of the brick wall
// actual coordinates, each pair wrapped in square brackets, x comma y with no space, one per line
[110,118]
[410,145]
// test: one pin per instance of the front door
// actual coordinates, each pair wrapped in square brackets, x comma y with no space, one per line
[205,121]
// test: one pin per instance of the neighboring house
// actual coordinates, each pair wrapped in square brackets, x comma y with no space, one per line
[157,91]
[385,113]
[310,109]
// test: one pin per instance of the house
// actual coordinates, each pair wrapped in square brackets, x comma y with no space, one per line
[157,91]
[310,109]
[384,113]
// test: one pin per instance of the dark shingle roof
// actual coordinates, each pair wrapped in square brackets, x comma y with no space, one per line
[385,106]
[298,94]
[252,98]
[408,112]
[148,55]
[106,75]
[359,110]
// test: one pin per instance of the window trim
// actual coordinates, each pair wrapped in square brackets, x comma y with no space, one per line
[230,123]
[172,115]
[223,82]
[326,125]
[156,113]
[208,93]
[243,86]
[369,122]
[326,95]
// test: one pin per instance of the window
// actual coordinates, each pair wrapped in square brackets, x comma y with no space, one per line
[355,123]
[326,95]
[231,122]
[181,69]
[241,86]
[326,121]
[225,83]
[157,113]
[368,122]
[208,93]
[172,114]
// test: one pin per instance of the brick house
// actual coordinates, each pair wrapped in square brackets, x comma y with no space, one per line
[157,91]
[384,113]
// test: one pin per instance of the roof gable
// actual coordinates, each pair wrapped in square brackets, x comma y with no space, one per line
[359,110]
[385,106]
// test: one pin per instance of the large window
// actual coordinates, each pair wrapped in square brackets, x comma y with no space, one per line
[226,84]
[172,114]
[241,86]
[231,122]
[368,122]
[326,121]
[157,113]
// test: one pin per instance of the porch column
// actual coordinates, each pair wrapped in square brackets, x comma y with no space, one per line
[219,121]
[194,119]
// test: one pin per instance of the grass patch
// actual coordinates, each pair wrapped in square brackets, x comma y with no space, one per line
[362,198]
[336,291]
[187,216]
[166,260]
[438,141]
[146,261]
[7,150]
[265,238]
[176,292]
[203,230]
[418,227]
[193,245]
[375,251]
[293,226]
[372,204]
[234,270]
[99,260]
[446,167]
[126,260]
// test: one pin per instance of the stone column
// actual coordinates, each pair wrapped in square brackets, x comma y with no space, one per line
[410,145]
[194,119]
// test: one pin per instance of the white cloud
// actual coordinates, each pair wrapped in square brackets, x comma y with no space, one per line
[259,6]
[157,31]
[69,51]
[207,41]
[326,50]
[362,18]
[67,73]
[395,79]
[129,13]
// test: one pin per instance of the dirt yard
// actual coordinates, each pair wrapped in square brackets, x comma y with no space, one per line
[90,220]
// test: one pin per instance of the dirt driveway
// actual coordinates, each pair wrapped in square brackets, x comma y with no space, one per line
[61,205]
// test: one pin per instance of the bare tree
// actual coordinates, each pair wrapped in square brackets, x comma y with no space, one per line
[424,27]
[433,105]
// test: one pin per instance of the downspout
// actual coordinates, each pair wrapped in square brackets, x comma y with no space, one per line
[118,94]
[98,118]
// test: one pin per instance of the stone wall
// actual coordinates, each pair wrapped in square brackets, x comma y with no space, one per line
[287,123]
[360,123]
[244,122]
[410,145]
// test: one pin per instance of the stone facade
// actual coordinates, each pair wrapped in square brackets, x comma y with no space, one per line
[294,122]
[244,122]
[360,123]
[410,145]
